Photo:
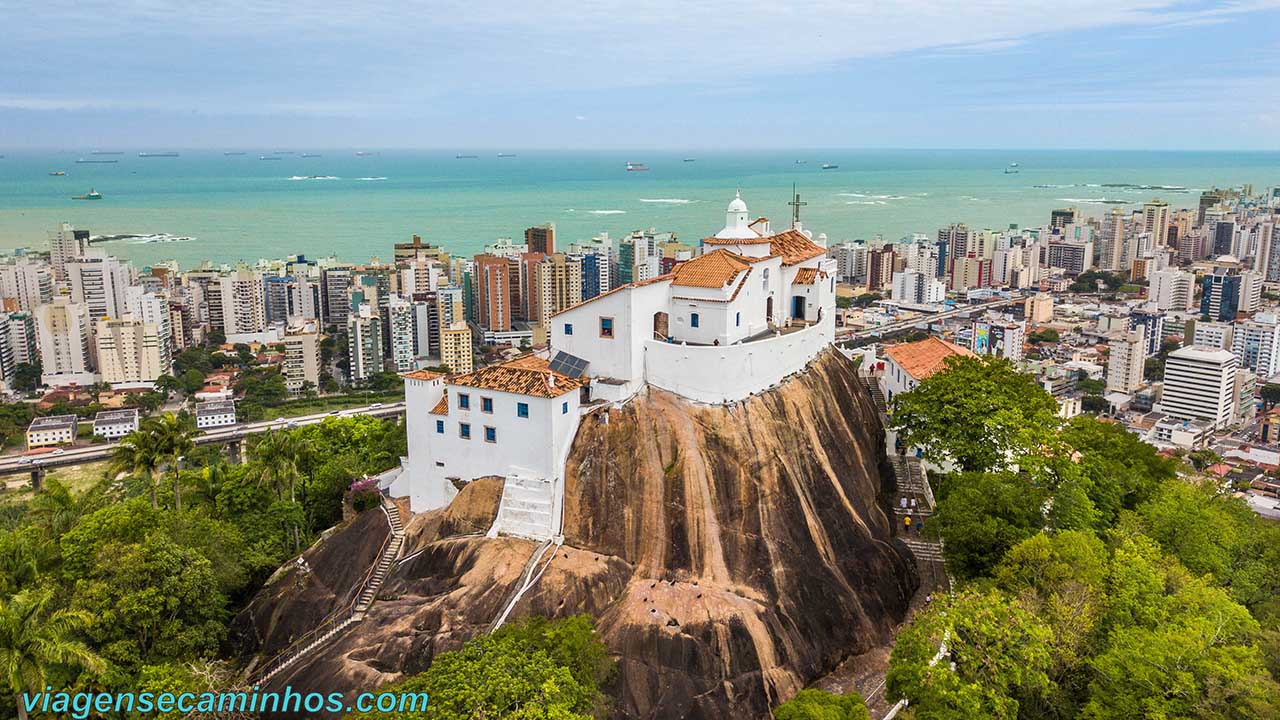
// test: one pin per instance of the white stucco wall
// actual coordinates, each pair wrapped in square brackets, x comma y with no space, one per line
[533,446]
[621,357]
[727,373]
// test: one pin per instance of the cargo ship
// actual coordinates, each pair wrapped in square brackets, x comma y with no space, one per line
[58,173]
[636,167]
[83,161]
[157,155]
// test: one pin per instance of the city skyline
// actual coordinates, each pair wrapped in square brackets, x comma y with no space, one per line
[1085,74]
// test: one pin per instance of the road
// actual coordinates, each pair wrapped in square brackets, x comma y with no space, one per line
[13,464]
[843,334]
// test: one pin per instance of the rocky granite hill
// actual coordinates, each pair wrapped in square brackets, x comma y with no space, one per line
[729,556]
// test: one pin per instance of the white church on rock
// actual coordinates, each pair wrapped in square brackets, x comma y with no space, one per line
[754,307]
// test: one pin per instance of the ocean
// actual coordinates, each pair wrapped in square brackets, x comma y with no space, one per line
[207,205]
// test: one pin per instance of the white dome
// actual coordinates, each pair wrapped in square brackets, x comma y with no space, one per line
[737,205]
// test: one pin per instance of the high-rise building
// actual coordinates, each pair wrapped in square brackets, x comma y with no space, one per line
[243,302]
[66,244]
[541,239]
[954,242]
[1227,292]
[301,367]
[1155,220]
[276,292]
[62,334]
[25,284]
[1114,247]
[1256,345]
[557,285]
[7,363]
[492,279]
[99,281]
[130,351]
[1126,360]
[1209,199]
[419,250]
[880,268]
[1218,335]
[153,308]
[1073,256]
[22,338]
[364,339]
[1063,218]
[1151,320]
[969,272]
[1172,289]
[335,289]
[1199,384]
[400,333]
[455,348]
[913,286]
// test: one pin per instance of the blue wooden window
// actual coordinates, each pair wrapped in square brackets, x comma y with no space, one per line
[490,434]
[568,328]
[464,430]
[522,410]
[693,319]
[464,401]
[440,427]
[486,404]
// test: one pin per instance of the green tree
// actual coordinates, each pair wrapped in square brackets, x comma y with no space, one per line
[981,515]
[535,670]
[174,436]
[1271,394]
[26,376]
[814,704]
[998,659]
[139,454]
[35,640]
[980,414]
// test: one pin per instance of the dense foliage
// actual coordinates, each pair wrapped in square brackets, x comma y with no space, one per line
[1094,583]
[813,704]
[135,580]
[533,670]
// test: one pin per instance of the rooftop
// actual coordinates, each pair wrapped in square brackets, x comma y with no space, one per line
[112,416]
[422,375]
[215,407]
[526,375]
[711,270]
[923,358]
[52,422]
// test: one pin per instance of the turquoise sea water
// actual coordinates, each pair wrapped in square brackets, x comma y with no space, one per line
[243,208]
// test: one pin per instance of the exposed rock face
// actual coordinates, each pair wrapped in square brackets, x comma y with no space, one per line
[729,555]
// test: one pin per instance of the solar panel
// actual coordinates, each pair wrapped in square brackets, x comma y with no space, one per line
[567,364]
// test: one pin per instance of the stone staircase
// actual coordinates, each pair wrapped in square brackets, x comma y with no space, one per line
[349,615]
[924,550]
[527,509]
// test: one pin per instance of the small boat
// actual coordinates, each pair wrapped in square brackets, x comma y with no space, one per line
[690,159]
[1012,169]
[91,195]
[310,155]
[362,153]
[157,155]
[229,154]
[829,166]
[465,157]
[506,154]
[270,157]
[106,152]
[58,173]
[636,167]
[802,162]
[83,161]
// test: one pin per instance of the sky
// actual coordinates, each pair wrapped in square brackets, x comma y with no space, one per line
[1133,74]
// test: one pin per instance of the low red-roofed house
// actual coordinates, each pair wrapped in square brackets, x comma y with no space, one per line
[908,364]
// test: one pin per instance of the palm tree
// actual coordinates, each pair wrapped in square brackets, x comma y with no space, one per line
[175,438]
[137,454]
[277,457]
[32,640]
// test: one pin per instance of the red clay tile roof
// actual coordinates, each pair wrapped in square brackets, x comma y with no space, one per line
[711,270]
[794,247]
[442,407]
[925,357]
[422,375]
[806,276]
[525,375]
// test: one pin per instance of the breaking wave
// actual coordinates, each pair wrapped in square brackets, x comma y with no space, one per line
[668,201]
